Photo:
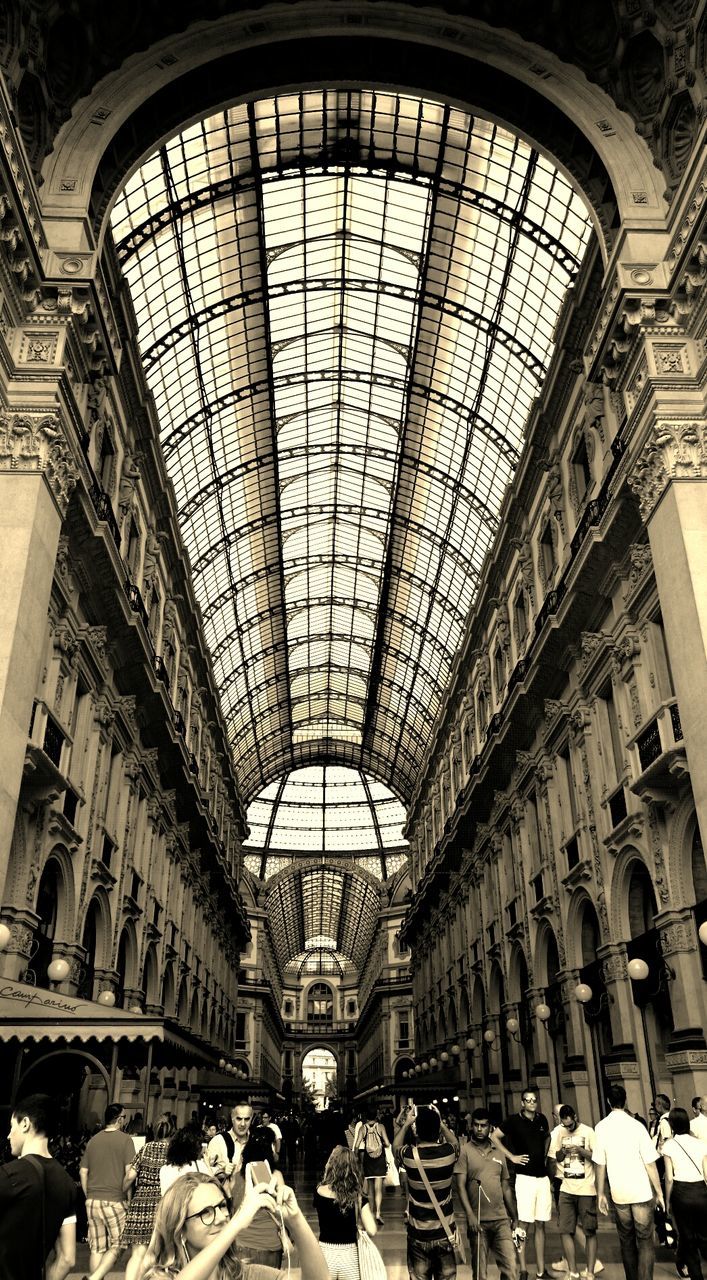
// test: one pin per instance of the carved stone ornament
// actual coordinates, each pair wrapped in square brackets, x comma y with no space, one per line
[641,561]
[38,444]
[679,936]
[674,450]
[615,967]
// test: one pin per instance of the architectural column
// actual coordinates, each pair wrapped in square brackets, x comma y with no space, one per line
[542,1067]
[670,479]
[574,1069]
[628,1063]
[687,1052]
[37,476]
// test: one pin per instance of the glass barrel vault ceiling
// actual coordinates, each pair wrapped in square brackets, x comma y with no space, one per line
[346,303]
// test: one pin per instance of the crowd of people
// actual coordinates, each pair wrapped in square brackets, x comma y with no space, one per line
[210,1203]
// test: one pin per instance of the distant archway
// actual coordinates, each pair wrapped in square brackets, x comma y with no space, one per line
[320,1076]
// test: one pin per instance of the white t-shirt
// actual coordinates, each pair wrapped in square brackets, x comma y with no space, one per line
[577,1174]
[698,1127]
[687,1153]
[623,1145]
[664,1133]
[170,1172]
[276,1130]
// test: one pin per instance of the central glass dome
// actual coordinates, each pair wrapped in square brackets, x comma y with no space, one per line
[326,810]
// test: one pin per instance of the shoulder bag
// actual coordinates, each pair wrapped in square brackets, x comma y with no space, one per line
[370,1263]
[453,1237]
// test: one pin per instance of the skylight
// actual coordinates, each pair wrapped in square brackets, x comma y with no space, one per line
[346,302]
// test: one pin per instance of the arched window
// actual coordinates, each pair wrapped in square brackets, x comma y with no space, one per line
[320,1004]
[47,905]
[547,552]
[521,617]
[88,942]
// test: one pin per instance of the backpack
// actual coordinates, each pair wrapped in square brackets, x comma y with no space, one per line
[230,1144]
[372,1143]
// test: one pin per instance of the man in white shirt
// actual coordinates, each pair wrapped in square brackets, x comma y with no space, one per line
[267,1122]
[571,1146]
[224,1152]
[661,1103]
[698,1124]
[625,1154]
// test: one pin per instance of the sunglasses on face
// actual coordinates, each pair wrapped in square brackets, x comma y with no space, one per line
[207,1215]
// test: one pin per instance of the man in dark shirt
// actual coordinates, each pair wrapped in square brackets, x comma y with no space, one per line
[35,1189]
[430,1255]
[524,1140]
[486,1193]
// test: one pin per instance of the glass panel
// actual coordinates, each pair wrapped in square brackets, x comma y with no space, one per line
[346,302]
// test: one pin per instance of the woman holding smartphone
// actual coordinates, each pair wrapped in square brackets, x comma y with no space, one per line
[261,1241]
[195,1239]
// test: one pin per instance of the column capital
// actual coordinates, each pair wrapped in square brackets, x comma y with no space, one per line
[614,960]
[36,441]
[674,449]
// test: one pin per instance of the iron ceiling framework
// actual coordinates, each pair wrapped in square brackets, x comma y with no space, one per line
[346,303]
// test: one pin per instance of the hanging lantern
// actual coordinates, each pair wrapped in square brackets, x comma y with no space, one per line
[489,1036]
[433,1062]
[638,970]
[58,971]
[106,998]
[455,1050]
[444,1056]
[471,1044]
[583,993]
[543,1011]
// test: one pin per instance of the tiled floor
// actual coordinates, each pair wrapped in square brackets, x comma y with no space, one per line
[391,1240]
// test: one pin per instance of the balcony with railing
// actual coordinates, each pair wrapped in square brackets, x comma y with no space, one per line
[657,754]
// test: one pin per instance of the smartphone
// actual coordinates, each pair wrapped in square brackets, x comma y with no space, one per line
[257,1172]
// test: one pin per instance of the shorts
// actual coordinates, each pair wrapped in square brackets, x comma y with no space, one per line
[577,1209]
[106,1221]
[534,1198]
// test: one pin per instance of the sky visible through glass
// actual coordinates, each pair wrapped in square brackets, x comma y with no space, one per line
[346,304]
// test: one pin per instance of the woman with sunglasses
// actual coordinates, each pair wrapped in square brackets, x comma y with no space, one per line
[195,1239]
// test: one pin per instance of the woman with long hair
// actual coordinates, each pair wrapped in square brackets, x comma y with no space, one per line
[195,1239]
[145,1175]
[184,1155]
[341,1204]
[261,1240]
[685,1191]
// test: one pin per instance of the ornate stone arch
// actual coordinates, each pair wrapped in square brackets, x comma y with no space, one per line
[99,902]
[478,1000]
[682,834]
[126,955]
[165,77]
[578,905]
[66,891]
[150,976]
[546,948]
[517,974]
[619,907]
[168,990]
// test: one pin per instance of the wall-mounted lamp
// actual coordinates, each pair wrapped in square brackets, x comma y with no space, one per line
[543,1012]
[58,971]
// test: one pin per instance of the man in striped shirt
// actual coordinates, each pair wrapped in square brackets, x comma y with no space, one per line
[430,1254]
